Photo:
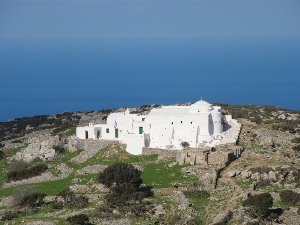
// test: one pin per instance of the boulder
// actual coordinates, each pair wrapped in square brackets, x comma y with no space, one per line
[246,174]
[231,173]
[223,218]
[272,176]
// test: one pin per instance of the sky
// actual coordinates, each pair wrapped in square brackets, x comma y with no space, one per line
[148,18]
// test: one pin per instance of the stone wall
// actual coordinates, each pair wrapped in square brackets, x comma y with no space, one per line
[86,144]
[162,153]
[223,154]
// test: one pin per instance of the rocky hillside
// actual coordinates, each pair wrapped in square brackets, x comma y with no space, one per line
[59,176]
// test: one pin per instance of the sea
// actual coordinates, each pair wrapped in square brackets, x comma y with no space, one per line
[49,76]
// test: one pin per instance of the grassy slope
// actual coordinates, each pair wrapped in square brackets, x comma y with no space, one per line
[155,175]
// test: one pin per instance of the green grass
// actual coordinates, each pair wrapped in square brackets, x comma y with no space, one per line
[159,175]
[243,184]
[199,207]
[53,187]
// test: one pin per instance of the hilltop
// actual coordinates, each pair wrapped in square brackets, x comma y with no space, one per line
[175,194]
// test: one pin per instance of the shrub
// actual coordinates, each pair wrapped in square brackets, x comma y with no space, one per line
[34,199]
[2,155]
[26,173]
[18,165]
[2,145]
[20,194]
[37,160]
[67,195]
[196,191]
[70,200]
[263,183]
[56,205]
[9,215]
[79,202]
[296,148]
[80,219]
[296,140]
[120,175]
[185,144]
[289,197]
[27,196]
[259,204]
[58,149]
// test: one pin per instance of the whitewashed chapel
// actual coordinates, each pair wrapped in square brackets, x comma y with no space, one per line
[166,128]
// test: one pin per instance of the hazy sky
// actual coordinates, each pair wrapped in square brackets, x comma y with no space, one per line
[148,18]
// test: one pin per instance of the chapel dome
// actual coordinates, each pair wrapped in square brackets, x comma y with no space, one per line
[201,105]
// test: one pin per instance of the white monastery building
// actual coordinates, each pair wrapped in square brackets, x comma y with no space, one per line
[167,127]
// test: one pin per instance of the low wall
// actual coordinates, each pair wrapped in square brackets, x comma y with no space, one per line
[162,153]
[87,144]
[223,154]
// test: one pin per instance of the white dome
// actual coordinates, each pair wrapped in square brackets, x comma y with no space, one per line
[201,105]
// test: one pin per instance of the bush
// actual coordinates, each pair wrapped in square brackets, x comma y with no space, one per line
[18,165]
[56,205]
[296,140]
[289,197]
[296,148]
[34,199]
[79,202]
[80,219]
[259,204]
[120,175]
[2,155]
[26,173]
[196,191]
[27,196]
[70,200]
[58,149]
[185,144]
[37,160]
[263,183]
[20,194]
[10,214]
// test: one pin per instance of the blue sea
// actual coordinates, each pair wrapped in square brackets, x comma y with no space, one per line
[48,76]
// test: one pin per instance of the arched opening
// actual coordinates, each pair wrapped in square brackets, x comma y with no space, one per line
[98,134]
[86,134]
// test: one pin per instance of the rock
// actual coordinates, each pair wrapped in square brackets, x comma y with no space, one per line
[290,216]
[231,173]
[272,176]
[223,218]
[80,188]
[282,116]
[255,176]
[252,187]
[246,174]
[159,211]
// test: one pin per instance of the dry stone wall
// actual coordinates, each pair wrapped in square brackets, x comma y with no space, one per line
[90,147]
[222,154]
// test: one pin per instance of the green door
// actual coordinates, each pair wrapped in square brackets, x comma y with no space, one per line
[140,130]
[116,133]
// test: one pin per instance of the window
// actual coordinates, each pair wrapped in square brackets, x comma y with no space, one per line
[143,119]
[107,130]
[180,121]
[172,123]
